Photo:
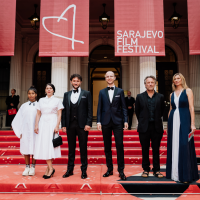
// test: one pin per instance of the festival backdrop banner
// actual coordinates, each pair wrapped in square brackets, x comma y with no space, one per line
[194,26]
[64,28]
[139,28]
[7,27]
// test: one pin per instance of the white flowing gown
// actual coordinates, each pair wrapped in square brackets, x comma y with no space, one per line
[44,149]
[24,123]
[175,140]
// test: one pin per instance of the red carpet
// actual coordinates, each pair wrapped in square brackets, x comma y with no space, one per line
[12,181]
[10,154]
[82,197]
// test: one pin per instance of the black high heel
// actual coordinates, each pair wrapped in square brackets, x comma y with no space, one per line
[47,177]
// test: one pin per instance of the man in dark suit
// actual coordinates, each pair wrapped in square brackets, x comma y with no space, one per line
[111,114]
[77,120]
[130,102]
[149,109]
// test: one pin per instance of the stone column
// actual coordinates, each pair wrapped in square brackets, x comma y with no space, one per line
[194,72]
[75,65]
[125,73]
[134,82]
[84,73]
[59,75]
[134,73]
[147,68]
[16,66]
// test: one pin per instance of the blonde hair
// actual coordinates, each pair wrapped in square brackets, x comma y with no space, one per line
[184,85]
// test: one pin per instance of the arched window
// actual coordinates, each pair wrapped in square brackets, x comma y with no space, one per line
[102,59]
[104,53]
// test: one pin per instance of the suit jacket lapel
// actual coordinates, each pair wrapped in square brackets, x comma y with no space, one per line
[106,91]
[80,96]
[115,92]
[69,97]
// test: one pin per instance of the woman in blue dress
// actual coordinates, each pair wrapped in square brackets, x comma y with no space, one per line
[181,156]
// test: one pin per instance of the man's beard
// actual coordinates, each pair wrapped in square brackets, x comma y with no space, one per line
[76,87]
[150,89]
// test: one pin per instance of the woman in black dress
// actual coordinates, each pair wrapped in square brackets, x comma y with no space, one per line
[11,102]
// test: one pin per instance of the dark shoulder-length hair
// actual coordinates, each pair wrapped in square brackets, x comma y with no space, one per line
[53,87]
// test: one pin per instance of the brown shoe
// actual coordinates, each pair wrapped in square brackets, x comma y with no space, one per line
[158,175]
[145,174]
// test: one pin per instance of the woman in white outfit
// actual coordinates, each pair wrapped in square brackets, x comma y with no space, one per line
[23,126]
[48,117]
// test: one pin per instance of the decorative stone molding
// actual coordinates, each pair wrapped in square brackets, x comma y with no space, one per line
[105,40]
[99,42]
[173,45]
[32,52]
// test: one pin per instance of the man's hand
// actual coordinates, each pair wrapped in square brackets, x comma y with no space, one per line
[130,107]
[64,129]
[12,104]
[99,127]
[125,126]
[21,136]
[87,128]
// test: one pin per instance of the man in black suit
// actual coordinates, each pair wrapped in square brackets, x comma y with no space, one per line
[149,109]
[130,102]
[77,120]
[111,114]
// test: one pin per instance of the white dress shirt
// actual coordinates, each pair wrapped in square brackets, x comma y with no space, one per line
[75,96]
[111,93]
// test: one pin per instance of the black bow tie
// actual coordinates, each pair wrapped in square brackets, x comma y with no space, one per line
[75,91]
[110,88]
[32,103]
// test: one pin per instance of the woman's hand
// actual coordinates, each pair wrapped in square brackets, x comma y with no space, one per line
[56,130]
[193,128]
[36,130]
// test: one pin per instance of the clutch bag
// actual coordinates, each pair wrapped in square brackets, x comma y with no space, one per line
[57,141]
[12,111]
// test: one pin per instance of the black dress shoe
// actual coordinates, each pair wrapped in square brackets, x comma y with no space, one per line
[47,177]
[122,176]
[67,174]
[108,173]
[84,175]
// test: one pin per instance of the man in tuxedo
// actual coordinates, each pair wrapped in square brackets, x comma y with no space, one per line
[149,109]
[130,102]
[111,114]
[77,120]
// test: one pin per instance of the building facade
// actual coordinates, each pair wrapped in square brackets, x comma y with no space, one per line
[26,68]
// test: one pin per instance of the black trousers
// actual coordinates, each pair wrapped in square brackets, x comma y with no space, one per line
[72,132]
[130,117]
[155,138]
[107,137]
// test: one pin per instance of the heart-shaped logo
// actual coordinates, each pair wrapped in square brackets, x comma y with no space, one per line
[63,18]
